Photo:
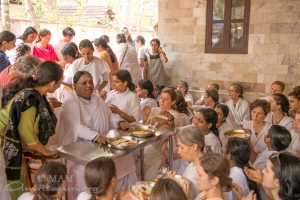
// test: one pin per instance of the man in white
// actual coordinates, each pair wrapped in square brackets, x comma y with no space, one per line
[127,58]
[238,107]
[142,49]
[295,144]
[276,87]
[210,86]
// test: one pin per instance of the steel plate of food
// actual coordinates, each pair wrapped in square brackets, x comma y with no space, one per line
[145,187]
[142,130]
[239,133]
[124,142]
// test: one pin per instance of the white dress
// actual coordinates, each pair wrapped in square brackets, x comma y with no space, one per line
[222,129]
[24,196]
[141,51]
[213,141]
[257,141]
[128,102]
[262,158]
[130,61]
[147,101]
[286,121]
[239,178]
[11,54]
[97,68]
[267,98]
[295,144]
[82,120]
[240,111]
[84,196]
[58,47]
[189,97]
[190,174]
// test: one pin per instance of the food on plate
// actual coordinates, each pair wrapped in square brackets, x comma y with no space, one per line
[123,142]
[140,131]
[145,187]
[240,133]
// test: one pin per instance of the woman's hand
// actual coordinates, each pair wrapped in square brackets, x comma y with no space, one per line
[103,94]
[50,153]
[124,126]
[237,190]
[146,110]
[101,139]
[250,196]
[254,174]
[142,93]
[168,115]
[171,174]
[115,109]
[152,120]
[186,189]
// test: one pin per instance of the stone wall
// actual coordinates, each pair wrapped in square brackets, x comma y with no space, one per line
[273,52]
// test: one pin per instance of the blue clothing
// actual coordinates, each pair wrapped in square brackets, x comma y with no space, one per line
[4,62]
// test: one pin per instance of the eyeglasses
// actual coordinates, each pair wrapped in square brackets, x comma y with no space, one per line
[231,91]
[116,81]
[276,156]
[205,97]
[197,118]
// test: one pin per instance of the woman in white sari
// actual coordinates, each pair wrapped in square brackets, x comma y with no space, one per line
[85,116]
[95,66]
[279,107]
[238,107]
[127,58]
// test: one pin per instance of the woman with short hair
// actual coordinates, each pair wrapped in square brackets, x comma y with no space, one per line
[183,87]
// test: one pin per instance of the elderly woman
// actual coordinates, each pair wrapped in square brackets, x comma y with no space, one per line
[23,67]
[31,119]
[85,116]
[183,87]
[258,126]
[43,50]
[238,107]
[279,107]
[127,58]
[95,66]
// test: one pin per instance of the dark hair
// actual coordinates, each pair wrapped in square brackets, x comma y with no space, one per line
[140,38]
[98,175]
[210,116]
[43,33]
[167,189]
[86,44]
[213,94]
[281,84]
[261,103]
[215,86]
[240,151]
[181,104]
[217,165]
[155,40]
[79,74]
[101,42]
[283,101]
[238,88]
[105,37]
[45,73]
[224,109]
[6,36]
[280,137]
[48,180]
[121,38]
[68,31]
[147,85]
[295,93]
[172,94]
[287,171]
[124,75]
[71,49]
[26,65]
[156,25]
[21,50]
[29,30]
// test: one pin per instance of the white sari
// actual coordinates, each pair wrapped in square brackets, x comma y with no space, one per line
[240,111]
[286,121]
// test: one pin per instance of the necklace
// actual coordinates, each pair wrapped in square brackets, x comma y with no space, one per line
[257,131]
[275,121]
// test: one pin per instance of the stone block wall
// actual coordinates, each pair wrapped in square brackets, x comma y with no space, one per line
[273,50]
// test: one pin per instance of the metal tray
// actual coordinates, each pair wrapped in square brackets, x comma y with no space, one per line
[143,186]
[122,140]
[136,130]
[239,133]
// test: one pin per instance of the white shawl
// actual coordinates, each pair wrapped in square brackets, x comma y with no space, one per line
[240,111]
[286,121]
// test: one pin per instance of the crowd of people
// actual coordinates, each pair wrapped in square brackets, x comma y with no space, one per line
[103,88]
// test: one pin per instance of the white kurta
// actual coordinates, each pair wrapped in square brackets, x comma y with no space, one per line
[240,111]
[188,97]
[213,141]
[222,129]
[257,141]
[262,158]
[97,68]
[190,174]
[286,121]
[127,101]
[58,47]
[267,98]
[82,120]
[130,61]
[295,144]
[239,178]
[147,101]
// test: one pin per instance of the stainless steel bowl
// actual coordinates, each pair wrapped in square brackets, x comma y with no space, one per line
[137,130]
[143,186]
[239,133]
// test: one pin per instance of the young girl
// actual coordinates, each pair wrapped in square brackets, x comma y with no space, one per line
[153,64]
[222,111]
[294,100]
[212,177]
[7,42]
[206,120]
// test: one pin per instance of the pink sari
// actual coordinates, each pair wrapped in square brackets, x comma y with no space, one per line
[47,54]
